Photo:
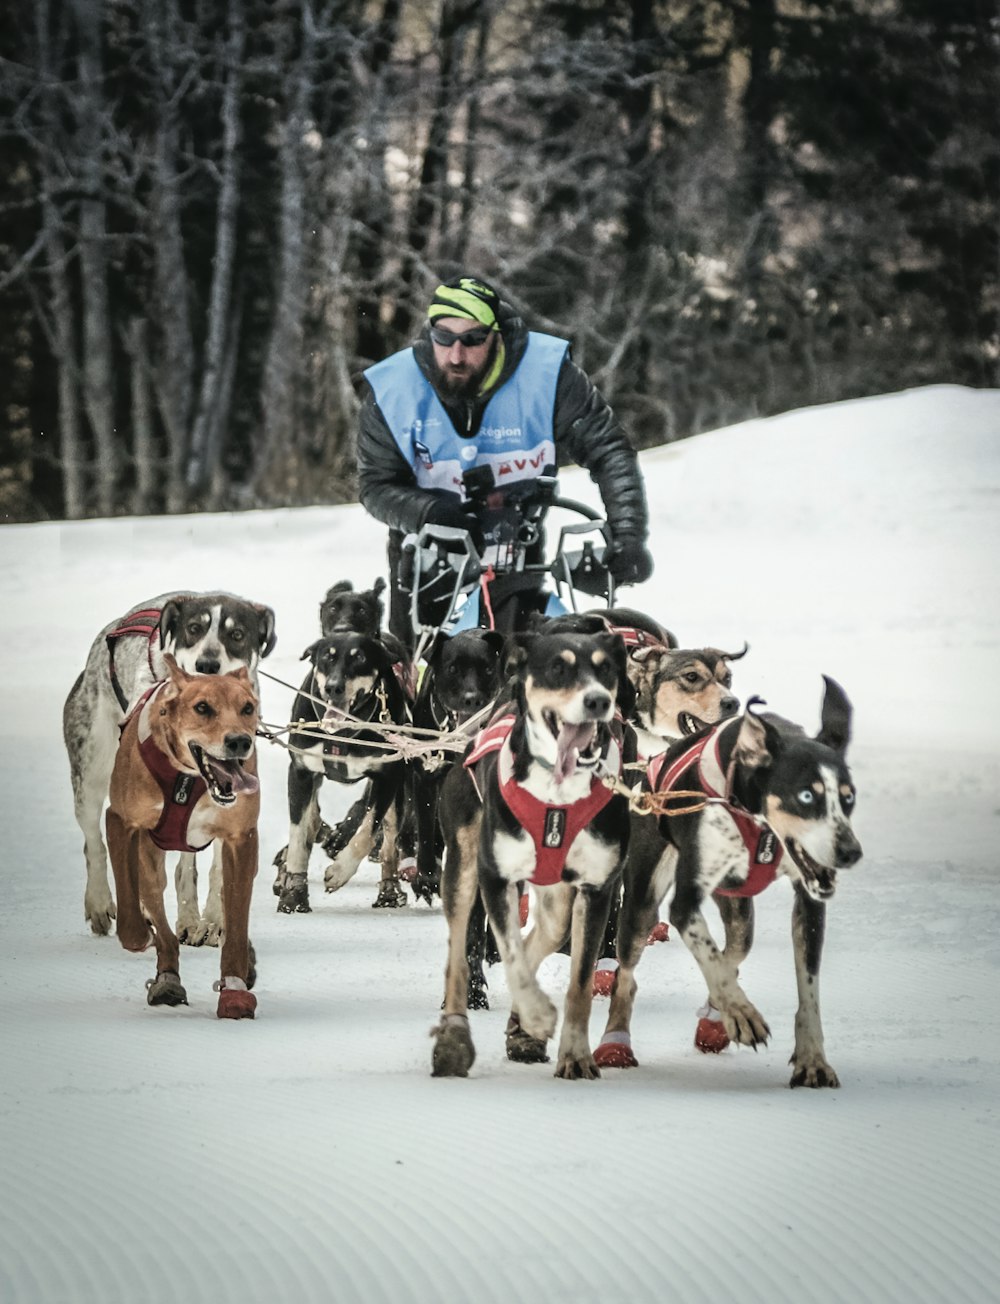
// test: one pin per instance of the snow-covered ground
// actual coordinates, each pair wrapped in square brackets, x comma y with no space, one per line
[153,1155]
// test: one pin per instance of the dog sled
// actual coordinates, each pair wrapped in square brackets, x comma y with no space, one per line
[452,586]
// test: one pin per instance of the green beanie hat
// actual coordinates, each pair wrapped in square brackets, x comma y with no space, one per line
[467,297]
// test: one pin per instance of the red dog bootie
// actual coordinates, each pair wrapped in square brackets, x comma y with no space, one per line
[522,909]
[604,977]
[660,932]
[235,1000]
[615,1052]
[710,1036]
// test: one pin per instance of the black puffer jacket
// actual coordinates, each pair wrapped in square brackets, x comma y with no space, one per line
[586,432]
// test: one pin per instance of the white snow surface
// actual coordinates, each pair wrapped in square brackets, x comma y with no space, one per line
[158,1155]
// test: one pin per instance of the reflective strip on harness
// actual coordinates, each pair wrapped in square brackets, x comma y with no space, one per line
[764,849]
[181,792]
[553,829]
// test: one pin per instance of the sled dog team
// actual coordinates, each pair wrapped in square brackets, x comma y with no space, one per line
[587,770]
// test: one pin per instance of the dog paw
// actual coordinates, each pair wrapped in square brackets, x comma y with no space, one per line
[425,887]
[660,932]
[476,995]
[710,1036]
[454,1052]
[293,899]
[604,977]
[99,916]
[522,1048]
[577,1068]
[337,873]
[615,1052]
[813,1073]
[390,895]
[235,1000]
[538,1016]
[745,1024]
[165,989]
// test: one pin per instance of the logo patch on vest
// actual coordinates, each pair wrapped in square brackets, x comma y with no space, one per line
[182,789]
[766,848]
[555,827]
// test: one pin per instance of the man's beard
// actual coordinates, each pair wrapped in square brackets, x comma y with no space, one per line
[463,384]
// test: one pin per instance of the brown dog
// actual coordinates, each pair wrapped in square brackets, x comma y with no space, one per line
[184,775]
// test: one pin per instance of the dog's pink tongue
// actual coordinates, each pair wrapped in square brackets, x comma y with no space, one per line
[573,739]
[233,774]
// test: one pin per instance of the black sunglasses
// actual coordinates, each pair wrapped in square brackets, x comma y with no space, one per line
[468,339]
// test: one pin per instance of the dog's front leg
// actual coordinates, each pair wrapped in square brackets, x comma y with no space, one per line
[809,1064]
[649,875]
[454,1052]
[590,918]
[165,988]
[531,1010]
[134,932]
[291,885]
[239,868]
[743,1021]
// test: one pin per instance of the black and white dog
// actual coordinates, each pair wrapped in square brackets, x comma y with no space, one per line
[754,797]
[207,634]
[462,676]
[351,683]
[530,803]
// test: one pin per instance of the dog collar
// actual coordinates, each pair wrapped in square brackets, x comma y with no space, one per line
[764,849]
[181,792]
[552,828]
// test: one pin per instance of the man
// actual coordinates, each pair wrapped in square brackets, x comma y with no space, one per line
[478,392]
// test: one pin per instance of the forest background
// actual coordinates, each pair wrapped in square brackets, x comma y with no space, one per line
[215,213]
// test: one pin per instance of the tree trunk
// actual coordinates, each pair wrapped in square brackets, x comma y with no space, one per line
[210,418]
[173,372]
[143,444]
[97,369]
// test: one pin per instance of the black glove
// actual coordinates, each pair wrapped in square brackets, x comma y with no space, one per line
[457,516]
[629,561]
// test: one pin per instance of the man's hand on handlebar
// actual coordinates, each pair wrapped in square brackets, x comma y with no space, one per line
[458,517]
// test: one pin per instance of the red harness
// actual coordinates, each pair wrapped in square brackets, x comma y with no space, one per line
[181,792]
[764,849]
[553,829]
[145,624]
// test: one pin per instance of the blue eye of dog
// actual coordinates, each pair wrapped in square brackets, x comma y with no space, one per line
[806,796]
[847,799]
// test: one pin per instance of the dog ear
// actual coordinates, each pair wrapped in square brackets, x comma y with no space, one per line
[614,645]
[266,636]
[169,617]
[176,678]
[729,656]
[516,649]
[495,642]
[379,586]
[835,717]
[310,651]
[758,742]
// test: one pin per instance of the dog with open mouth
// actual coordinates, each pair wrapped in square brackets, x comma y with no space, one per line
[734,807]
[534,801]
[349,693]
[185,775]
[207,634]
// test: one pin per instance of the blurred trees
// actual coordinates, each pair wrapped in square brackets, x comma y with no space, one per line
[216,213]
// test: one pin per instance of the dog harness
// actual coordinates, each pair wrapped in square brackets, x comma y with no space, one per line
[764,849]
[552,829]
[143,624]
[181,792]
